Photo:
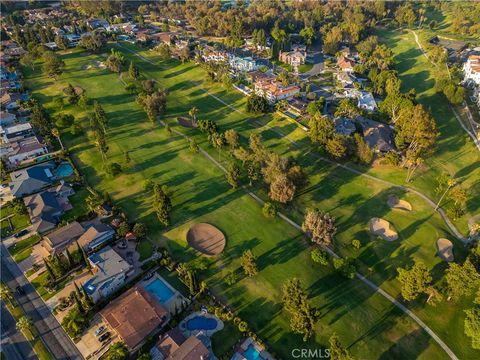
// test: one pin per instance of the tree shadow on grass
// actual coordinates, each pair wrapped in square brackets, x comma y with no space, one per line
[178,72]
[284,251]
[409,346]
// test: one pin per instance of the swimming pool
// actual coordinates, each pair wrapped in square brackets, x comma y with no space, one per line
[64,170]
[251,353]
[201,323]
[160,290]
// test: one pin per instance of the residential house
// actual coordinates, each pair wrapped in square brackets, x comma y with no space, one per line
[32,179]
[134,315]
[109,273]
[471,70]
[127,28]
[9,101]
[175,346]
[97,23]
[6,75]
[244,63]
[163,37]
[7,118]
[96,235]
[211,54]
[344,126]
[257,75]
[274,91]
[295,57]
[62,238]
[297,106]
[73,39]
[51,45]
[345,78]
[45,211]
[16,132]
[366,101]
[27,148]
[345,64]
[378,136]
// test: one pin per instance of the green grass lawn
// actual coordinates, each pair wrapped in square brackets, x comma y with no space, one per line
[19,222]
[365,321]
[224,341]
[304,68]
[145,249]
[21,250]
[455,152]
[78,201]
[41,280]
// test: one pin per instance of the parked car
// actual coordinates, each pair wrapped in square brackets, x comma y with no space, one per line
[21,233]
[100,330]
[148,276]
[104,337]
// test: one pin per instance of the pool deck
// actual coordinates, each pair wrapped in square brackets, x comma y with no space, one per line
[175,302]
[182,326]
[264,354]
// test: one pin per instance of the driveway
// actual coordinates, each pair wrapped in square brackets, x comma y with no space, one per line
[314,57]
[89,344]
[38,254]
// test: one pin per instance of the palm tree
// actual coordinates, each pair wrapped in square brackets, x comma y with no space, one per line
[117,351]
[24,324]
[193,115]
[450,183]
[5,293]
[56,133]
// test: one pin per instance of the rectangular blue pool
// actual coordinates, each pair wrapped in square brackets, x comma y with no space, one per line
[251,353]
[160,290]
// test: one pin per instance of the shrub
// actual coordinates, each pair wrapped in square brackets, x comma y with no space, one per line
[113,169]
[243,326]
[356,244]
[231,278]
[269,210]
[319,256]
[392,158]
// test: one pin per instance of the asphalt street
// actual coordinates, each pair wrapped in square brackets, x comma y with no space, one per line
[51,332]
[13,344]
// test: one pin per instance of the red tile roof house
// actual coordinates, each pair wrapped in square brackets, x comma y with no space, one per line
[175,346]
[274,91]
[134,316]
[345,64]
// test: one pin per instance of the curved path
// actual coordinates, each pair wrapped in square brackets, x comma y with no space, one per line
[374,287]
[476,141]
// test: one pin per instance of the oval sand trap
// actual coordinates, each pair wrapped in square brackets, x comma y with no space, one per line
[206,238]
[445,249]
[186,122]
[381,227]
[395,203]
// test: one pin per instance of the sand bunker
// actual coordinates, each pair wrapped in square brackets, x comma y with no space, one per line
[445,249]
[206,238]
[381,227]
[395,203]
[186,122]
[78,90]
[95,64]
